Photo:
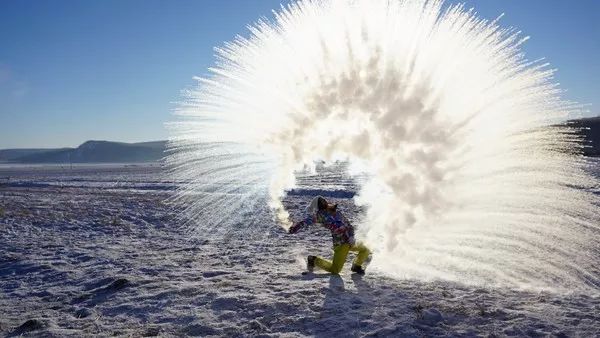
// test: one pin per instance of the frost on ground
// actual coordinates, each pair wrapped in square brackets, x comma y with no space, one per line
[96,251]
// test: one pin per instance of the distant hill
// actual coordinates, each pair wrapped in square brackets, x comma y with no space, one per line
[12,155]
[591,132]
[89,152]
[119,152]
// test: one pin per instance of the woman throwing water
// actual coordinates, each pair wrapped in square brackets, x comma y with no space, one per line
[342,233]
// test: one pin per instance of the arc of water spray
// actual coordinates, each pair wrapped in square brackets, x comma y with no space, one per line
[469,180]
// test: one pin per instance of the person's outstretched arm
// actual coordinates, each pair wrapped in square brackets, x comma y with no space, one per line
[309,220]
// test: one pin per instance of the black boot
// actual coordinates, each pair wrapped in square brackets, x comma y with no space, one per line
[357,269]
[310,262]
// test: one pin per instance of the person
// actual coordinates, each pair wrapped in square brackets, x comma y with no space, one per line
[342,233]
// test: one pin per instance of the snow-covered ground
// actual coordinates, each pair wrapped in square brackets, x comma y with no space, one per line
[95,250]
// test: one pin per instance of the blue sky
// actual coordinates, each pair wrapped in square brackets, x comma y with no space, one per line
[71,71]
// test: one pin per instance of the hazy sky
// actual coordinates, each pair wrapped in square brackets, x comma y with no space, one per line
[71,71]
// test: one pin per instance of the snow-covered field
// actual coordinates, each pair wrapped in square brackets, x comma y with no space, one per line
[95,250]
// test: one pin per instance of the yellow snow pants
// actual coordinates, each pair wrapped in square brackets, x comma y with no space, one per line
[340,252]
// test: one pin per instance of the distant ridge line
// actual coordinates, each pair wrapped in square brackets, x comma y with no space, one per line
[94,151]
[591,132]
[89,152]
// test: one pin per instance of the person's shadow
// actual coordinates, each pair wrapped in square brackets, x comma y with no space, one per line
[344,309]
[336,283]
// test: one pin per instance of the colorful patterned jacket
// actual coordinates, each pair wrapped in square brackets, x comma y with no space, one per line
[342,232]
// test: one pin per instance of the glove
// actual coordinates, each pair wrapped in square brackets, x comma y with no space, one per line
[294,228]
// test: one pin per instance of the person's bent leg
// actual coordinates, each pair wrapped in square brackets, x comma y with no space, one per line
[340,252]
[323,264]
[363,254]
